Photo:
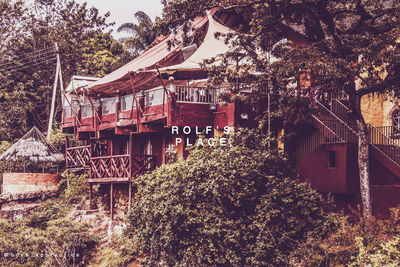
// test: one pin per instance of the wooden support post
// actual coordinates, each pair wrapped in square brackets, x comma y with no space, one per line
[163,147]
[138,105]
[130,173]
[130,155]
[130,196]
[111,201]
[165,89]
[111,147]
[90,195]
[117,106]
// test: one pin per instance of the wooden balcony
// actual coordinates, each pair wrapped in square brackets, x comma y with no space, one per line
[187,105]
[77,157]
[119,168]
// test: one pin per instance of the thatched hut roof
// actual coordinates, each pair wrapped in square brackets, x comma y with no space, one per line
[34,147]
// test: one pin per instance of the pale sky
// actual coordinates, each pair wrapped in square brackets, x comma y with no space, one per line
[123,10]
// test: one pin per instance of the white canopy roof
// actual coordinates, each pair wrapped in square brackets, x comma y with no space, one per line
[79,81]
[210,48]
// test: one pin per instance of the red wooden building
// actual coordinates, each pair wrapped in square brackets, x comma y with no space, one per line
[123,123]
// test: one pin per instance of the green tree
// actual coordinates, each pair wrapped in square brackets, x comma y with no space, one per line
[235,205]
[86,48]
[143,33]
[346,40]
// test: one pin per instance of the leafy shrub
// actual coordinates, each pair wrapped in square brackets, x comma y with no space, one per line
[48,237]
[54,245]
[51,210]
[238,205]
[352,244]
[73,187]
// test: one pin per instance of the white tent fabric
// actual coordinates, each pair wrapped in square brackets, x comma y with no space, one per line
[75,83]
[151,56]
[210,48]
[79,81]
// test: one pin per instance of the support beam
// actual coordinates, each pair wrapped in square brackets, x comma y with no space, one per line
[90,196]
[130,195]
[122,131]
[163,147]
[130,172]
[111,201]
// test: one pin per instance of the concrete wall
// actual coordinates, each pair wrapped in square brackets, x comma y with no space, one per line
[339,179]
[29,182]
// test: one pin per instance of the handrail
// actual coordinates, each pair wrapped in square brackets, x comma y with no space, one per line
[77,147]
[120,166]
[110,156]
[341,111]
[384,144]
[333,130]
[195,94]
[334,115]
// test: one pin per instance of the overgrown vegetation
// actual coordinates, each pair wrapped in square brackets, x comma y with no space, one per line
[48,237]
[238,205]
[351,245]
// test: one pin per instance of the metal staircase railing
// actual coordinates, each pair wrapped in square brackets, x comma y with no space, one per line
[384,144]
[378,137]
[342,112]
[336,126]
[332,130]
[342,131]
[308,146]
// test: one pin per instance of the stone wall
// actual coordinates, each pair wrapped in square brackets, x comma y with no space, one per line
[29,182]
[121,199]
[16,206]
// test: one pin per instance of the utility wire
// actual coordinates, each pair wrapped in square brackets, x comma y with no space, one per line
[10,65]
[31,64]
[19,63]
[28,64]
[11,61]
[27,54]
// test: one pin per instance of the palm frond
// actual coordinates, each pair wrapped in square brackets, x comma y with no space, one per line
[142,17]
[128,27]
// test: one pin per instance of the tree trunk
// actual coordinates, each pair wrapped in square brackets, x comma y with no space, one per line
[363,167]
[363,153]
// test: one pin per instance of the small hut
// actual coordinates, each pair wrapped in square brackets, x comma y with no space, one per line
[34,147]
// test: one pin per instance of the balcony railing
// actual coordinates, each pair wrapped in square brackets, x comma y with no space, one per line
[120,166]
[392,132]
[189,94]
[153,97]
[110,167]
[77,157]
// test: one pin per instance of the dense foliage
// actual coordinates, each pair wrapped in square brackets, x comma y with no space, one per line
[238,205]
[86,48]
[349,46]
[351,245]
[48,237]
